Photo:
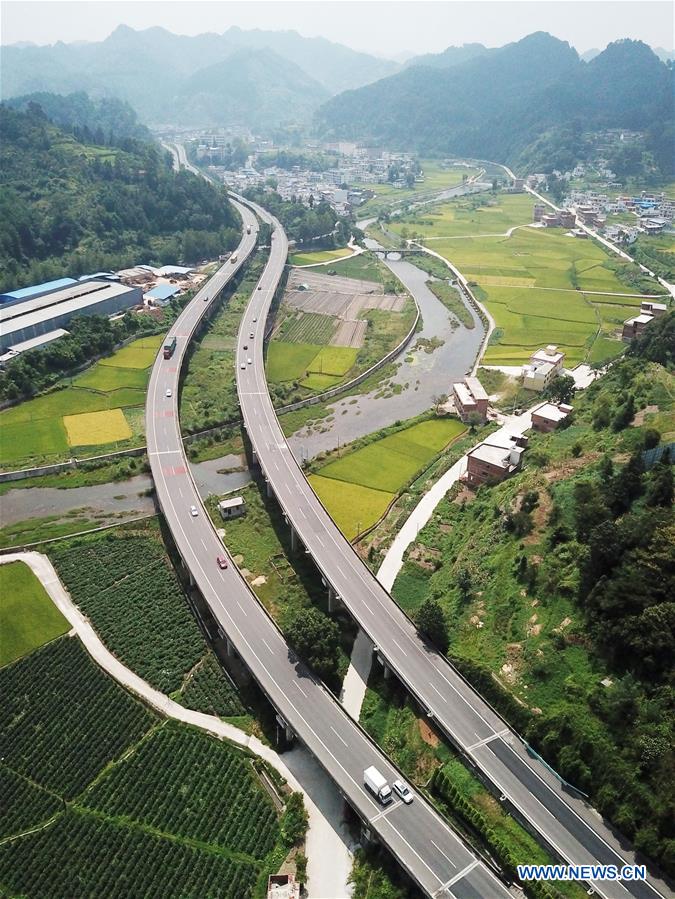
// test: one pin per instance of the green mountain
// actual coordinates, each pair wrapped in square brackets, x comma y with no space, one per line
[501,103]
[103,121]
[257,88]
[68,207]
[153,69]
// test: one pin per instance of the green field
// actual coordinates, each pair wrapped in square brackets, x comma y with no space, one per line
[540,287]
[318,256]
[358,487]
[308,327]
[352,507]
[28,617]
[35,430]
[467,217]
[292,361]
[436,179]
[289,361]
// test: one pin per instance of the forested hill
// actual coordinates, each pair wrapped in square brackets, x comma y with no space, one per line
[106,120]
[535,93]
[70,208]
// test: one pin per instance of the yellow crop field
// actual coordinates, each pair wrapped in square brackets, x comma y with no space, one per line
[96,428]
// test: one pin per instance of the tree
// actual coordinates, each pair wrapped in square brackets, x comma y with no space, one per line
[431,621]
[660,485]
[439,399]
[317,639]
[295,820]
[561,389]
[474,419]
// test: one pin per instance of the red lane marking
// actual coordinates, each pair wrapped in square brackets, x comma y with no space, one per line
[165,413]
[173,470]
[173,369]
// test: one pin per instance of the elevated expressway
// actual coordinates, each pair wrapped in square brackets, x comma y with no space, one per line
[426,847]
[574,832]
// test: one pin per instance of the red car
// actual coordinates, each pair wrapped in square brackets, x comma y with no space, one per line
[222,562]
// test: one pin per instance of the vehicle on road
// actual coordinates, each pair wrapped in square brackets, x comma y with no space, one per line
[250,361]
[169,347]
[248,229]
[377,784]
[169,392]
[222,562]
[243,365]
[251,335]
[403,791]
[259,286]
[233,258]
[255,320]
[245,346]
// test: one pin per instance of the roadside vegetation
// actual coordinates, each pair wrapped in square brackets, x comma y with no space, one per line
[550,589]
[103,793]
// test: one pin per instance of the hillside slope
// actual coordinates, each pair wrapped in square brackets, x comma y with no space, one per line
[70,208]
[500,103]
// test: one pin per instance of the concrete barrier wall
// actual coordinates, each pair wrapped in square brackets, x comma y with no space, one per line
[57,467]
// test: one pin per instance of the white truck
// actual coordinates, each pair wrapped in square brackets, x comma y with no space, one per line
[377,784]
[233,258]
[248,229]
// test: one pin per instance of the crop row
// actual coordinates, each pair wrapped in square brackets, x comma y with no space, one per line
[212,794]
[23,804]
[126,585]
[62,720]
[81,856]
[310,327]
[209,690]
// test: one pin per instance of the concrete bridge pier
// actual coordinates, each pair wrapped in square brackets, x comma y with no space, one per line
[386,670]
[284,730]
[294,539]
[333,600]
[268,489]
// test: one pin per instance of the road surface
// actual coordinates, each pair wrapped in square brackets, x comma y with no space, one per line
[417,836]
[572,829]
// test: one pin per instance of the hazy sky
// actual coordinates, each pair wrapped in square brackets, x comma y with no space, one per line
[380,27]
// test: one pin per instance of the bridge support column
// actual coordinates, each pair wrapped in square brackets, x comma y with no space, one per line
[268,490]
[368,837]
[333,600]
[386,670]
[229,648]
[294,539]
[284,731]
[254,457]
[191,580]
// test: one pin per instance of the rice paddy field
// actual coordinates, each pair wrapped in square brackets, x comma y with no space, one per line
[100,409]
[358,487]
[436,178]
[319,256]
[540,285]
[312,365]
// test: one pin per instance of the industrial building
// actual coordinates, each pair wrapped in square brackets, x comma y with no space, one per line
[38,315]
[12,297]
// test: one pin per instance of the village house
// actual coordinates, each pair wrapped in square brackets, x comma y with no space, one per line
[470,398]
[493,460]
[543,367]
[549,415]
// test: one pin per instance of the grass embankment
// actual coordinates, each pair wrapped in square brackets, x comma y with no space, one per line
[540,285]
[287,583]
[28,617]
[358,487]
[209,391]
[512,571]
[101,792]
[98,411]
[318,256]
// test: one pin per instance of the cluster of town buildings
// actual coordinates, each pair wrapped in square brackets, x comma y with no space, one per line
[32,317]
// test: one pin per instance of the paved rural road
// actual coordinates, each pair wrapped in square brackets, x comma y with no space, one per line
[417,836]
[569,826]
